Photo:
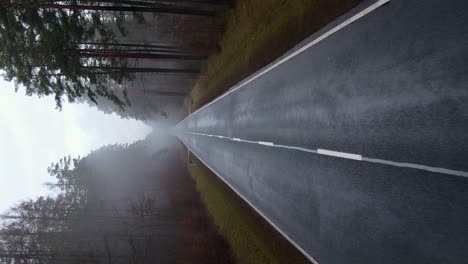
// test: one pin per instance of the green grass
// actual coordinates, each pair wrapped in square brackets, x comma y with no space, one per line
[257,32]
[251,238]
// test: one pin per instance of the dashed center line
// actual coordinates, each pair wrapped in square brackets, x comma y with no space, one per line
[344,155]
[265,143]
[339,154]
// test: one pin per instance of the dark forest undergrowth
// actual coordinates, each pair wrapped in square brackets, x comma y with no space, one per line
[120,204]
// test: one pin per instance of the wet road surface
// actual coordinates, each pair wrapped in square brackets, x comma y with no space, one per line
[355,147]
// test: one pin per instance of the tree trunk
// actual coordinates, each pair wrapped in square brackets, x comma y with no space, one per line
[156,93]
[136,45]
[167,9]
[154,2]
[109,70]
[142,51]
[136,55]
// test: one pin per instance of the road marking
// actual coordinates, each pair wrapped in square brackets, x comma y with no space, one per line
[242,84]
[314,42]
[339,154]
[418,167]
[344,155]
[265,143]
[296,148]
[309,257]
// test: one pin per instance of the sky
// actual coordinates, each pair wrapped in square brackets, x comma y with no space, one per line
[33,134]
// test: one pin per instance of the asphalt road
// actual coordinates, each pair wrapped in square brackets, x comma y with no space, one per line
[356,147]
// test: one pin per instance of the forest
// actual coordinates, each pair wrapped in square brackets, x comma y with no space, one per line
[120,204]
[154,61]
[136,58]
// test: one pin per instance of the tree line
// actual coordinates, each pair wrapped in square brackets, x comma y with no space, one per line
[113,206]
[72,49]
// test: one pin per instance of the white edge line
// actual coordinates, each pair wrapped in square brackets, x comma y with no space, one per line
[265,143]
[255,208]
[339,154]
[325,35]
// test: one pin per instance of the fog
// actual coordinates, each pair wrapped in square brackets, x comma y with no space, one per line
[127,202]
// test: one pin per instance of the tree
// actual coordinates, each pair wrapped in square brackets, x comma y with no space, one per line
[115,7]
[69,49]
[50,61]
[108,225]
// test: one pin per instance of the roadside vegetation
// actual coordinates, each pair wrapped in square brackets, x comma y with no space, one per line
[250,237]
[135,58]
[258,32]
[120,204]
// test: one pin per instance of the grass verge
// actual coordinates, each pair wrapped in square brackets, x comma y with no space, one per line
[251,239]
[258,32]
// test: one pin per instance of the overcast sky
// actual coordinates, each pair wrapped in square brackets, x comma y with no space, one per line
[33,134]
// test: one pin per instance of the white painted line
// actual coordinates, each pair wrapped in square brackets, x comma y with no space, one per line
[339,154]
[418,167]
[314,42]
[265,143]
[351,156]
[319,39]
[296,148]
[309,257]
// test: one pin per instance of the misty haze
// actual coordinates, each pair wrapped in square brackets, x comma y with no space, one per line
[233,131]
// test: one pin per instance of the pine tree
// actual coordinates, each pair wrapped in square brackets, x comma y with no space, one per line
[67,49]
